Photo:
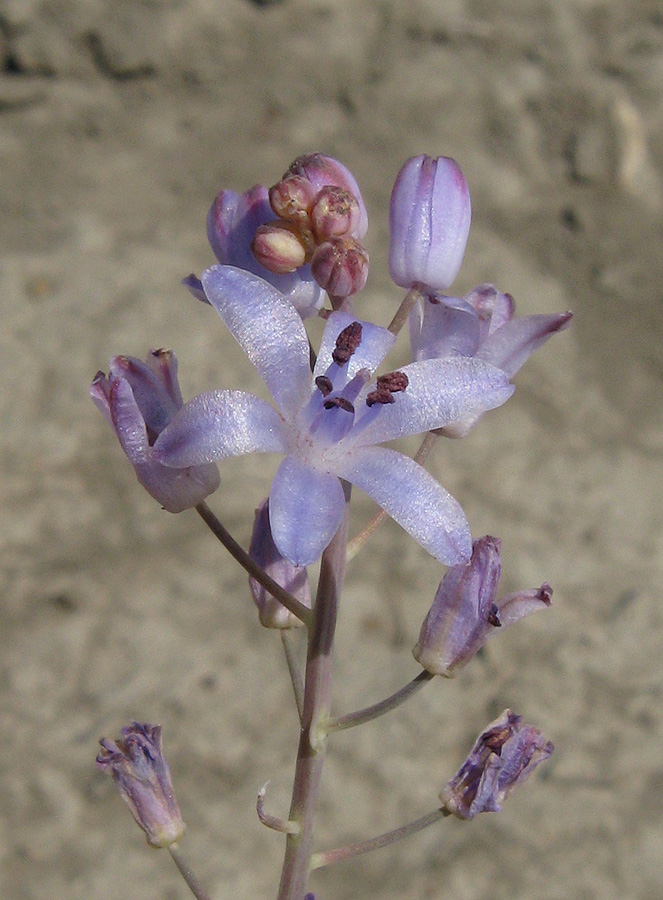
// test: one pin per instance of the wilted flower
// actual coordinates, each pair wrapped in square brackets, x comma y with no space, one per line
[139,399]
[503,756]
[232,222]
[143,779]
[465,611]
[294,579]
[429,222]
[326,426]
[481,325]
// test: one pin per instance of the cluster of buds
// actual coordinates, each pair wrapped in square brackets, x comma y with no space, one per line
[321,220]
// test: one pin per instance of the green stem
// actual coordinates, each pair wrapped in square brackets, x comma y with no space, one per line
[194,885]
[348,852]
[404,310]
[341,723]
[291,603]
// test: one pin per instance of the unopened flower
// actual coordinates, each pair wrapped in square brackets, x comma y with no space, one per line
[340,266]
[143,779]
[324,425]
[429,222]
[481,325]
[465,611]
[139,399]
[325,171]
[232,222]
[278,248]
[504,755]
[293,578]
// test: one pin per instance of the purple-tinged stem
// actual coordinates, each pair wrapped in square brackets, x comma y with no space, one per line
[340,723]
[293,669]
[194,885]
[390,837]
[404,310]
[291,603]
[317,703]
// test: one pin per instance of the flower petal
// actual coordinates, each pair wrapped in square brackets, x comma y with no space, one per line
[439,391]
[269,330]
[305,510]
[448,327]
[218,424]
[511,345]
[413,498]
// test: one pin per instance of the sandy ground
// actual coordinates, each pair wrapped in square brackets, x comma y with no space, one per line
[119,121]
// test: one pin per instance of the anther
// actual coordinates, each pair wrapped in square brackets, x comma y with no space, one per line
[346,343]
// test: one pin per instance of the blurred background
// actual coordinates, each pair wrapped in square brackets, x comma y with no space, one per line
[119,122]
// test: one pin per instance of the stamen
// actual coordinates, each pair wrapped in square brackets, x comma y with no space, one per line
[494,616]
[387,385]
[394,382]
[324,385]
[346,343]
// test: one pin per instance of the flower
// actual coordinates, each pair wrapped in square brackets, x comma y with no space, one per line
[504,755]
[481,325]
[138,399]
[293,578]
[232,222]
[143,779]
[429,222]
[465,612]
[327,424]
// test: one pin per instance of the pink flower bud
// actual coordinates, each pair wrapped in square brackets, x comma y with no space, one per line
[340,267]
[323,170]
[429,222]
[291,198]
[290,576]
[335,213]
[278,248]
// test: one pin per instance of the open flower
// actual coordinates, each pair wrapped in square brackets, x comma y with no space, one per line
[143,779]
[232,222]
[328,425]
[504,755]
[465,611]
[138,399]
[481,325]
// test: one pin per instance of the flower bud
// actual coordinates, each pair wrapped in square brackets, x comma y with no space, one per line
[278,248]
[291,198]
[504,755]
[143,779]
[335,213]
[465,613]
[323,170]
[429,220]
[340,267]
[139,399]
[293,578]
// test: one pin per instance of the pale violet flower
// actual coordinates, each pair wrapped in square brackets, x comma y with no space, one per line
[480,325]
[328,423]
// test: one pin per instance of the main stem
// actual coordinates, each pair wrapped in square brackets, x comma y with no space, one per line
[317,704]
